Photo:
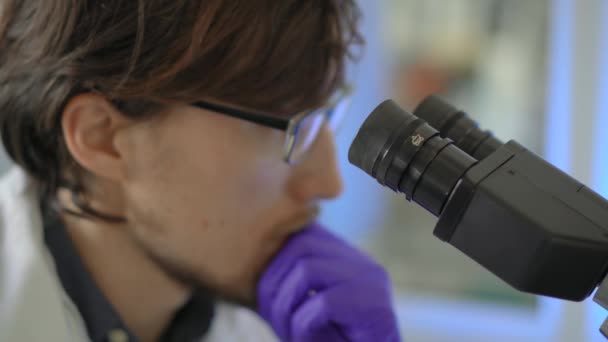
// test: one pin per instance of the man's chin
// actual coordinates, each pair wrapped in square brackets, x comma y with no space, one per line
[202,287]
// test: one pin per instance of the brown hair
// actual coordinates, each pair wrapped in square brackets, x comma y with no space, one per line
[271,55]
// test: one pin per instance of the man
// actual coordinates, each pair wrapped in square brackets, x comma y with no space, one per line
[171,157]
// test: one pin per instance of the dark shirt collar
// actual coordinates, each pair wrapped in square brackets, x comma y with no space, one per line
[101,319]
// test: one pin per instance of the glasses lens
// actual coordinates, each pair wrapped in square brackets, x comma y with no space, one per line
[306,133]
[337,114]
[308,129]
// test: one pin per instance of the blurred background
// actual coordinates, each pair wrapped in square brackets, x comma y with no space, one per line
[529,70]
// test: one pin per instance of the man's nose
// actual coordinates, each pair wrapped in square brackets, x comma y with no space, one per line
[317,176]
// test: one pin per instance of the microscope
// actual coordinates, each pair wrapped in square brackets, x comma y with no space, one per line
[532,225]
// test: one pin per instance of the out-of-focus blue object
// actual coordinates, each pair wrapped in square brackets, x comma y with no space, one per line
[559,83]
[600,155]
[600,146]
[348,215]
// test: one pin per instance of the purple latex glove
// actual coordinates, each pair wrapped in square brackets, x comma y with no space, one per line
[319,288]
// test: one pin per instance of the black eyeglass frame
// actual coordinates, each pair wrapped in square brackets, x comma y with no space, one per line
[289,125]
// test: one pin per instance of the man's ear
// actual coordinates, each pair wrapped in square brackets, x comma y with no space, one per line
[90,124]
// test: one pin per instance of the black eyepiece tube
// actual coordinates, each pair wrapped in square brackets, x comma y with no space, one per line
[404,153]
[456,125]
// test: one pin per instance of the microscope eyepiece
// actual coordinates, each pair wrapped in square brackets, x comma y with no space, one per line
[406,154]
[456,125]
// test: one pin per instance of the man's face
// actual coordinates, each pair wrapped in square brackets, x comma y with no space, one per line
[210,198]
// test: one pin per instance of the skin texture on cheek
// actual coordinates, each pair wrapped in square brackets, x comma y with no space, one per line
[206,200]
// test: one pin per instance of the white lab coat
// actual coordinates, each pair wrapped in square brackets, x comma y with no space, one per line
[33,304]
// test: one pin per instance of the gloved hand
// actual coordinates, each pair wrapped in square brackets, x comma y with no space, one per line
[318,288]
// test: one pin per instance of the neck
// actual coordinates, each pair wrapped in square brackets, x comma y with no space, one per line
[144,296]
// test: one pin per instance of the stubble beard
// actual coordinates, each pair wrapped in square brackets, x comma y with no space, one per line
[203,286]
[199,285]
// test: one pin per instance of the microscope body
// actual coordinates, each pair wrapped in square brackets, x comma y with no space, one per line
[529,223]
[532,225]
